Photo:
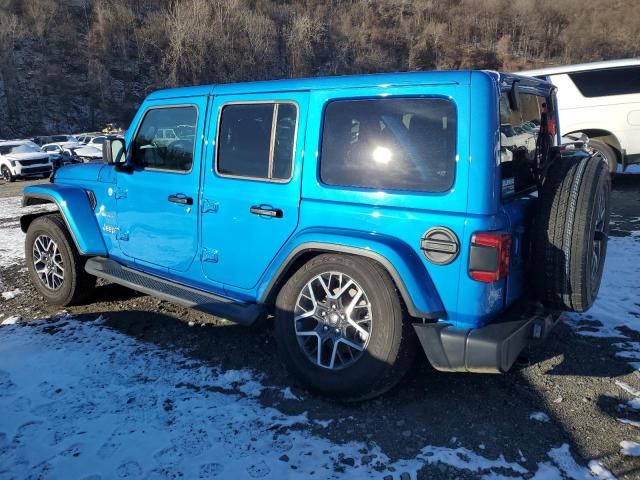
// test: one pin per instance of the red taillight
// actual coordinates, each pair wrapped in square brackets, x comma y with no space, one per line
[551,127]
[490,255]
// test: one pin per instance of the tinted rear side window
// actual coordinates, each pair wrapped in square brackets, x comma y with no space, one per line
[390,144]
[257,140]
[603,83]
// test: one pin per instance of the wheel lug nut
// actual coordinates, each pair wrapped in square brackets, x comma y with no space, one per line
[337,330]
[325,328]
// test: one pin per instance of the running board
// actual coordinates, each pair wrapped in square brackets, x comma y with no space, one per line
[242,313]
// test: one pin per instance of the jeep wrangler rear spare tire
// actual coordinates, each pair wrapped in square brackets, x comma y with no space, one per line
[572,227]
[341,328]
[54,264]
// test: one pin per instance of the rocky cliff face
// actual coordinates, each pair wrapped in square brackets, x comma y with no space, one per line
[53,84]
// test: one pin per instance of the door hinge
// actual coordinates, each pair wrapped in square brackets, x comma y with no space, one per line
[120,192]
[210,206]
[122,236]
[209,255]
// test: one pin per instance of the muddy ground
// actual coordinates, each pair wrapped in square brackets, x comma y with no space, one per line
[571,378]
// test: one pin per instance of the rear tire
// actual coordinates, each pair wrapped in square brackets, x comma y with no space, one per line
[572,228]
[388,347]
[55,266]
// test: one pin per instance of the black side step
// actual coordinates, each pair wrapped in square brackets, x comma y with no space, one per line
[242,313]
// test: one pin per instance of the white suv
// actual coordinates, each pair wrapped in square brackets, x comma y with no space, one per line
[23,159]
[601,100]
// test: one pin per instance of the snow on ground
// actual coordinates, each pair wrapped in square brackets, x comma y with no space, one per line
[631,169]
[540,417]
[11,294]
[11,237]
[629,448]
[617,309]
[79,398]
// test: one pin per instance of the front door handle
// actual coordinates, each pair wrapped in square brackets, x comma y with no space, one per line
[180,198]
[267,212]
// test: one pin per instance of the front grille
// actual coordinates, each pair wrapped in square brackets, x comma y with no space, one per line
[36,161]
[36,170]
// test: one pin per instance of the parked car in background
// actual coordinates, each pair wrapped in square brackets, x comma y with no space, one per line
[64,141]
[23,159]
[59,155]
[402,228]
[88,153]
[96,141]
[601,100]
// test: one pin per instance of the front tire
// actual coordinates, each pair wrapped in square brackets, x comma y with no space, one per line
[341,328]
[7,175]
[55,266]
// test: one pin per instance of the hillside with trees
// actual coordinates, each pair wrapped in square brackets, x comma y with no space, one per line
[69,65]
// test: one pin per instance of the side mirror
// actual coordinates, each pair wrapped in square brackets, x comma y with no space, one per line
[114,151]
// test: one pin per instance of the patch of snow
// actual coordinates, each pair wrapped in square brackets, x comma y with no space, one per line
[11,320]
[547,471]
[628,388]
[463,458]
[617,307]
[287,394]
[631,170]
[564,460]
[600,471]
[87,399]
[11,294]
[11,236]
[633,404]
[629,448]
[626,421]
[323,423]
[540,417]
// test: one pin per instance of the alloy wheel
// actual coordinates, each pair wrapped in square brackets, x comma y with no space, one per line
[333,320]
[47,262]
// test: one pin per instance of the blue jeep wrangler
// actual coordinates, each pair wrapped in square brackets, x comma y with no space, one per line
[367,214]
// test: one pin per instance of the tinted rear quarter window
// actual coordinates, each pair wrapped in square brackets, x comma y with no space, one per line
[607,82]
[390,144]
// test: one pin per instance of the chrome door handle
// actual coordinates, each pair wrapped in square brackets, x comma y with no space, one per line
[267,212]
[180,198]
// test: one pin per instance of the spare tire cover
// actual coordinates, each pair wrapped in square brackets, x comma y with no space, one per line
[571,232]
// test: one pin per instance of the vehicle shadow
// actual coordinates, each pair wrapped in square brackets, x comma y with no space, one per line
[488,414]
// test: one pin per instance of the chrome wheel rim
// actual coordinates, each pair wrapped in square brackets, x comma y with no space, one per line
[599,236]
[333,320]
[47,262]
[6,174]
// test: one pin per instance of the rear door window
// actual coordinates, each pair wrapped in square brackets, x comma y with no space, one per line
[257,141]
[607,82]
[390,144]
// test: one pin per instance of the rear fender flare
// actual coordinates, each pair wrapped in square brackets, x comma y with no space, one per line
[75,207]
[397,258]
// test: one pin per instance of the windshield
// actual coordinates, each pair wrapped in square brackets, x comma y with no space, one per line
[19,148]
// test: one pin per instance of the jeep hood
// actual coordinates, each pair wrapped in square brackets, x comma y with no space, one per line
[81,171]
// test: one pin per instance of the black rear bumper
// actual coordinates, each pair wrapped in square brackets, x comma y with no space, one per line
[492,348]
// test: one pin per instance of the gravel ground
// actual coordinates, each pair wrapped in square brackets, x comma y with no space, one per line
[570,379]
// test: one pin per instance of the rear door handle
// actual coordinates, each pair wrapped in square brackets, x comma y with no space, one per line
[267,212]
[180,198]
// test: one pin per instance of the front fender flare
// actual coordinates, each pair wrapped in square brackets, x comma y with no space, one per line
[399,260]
[76,210]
